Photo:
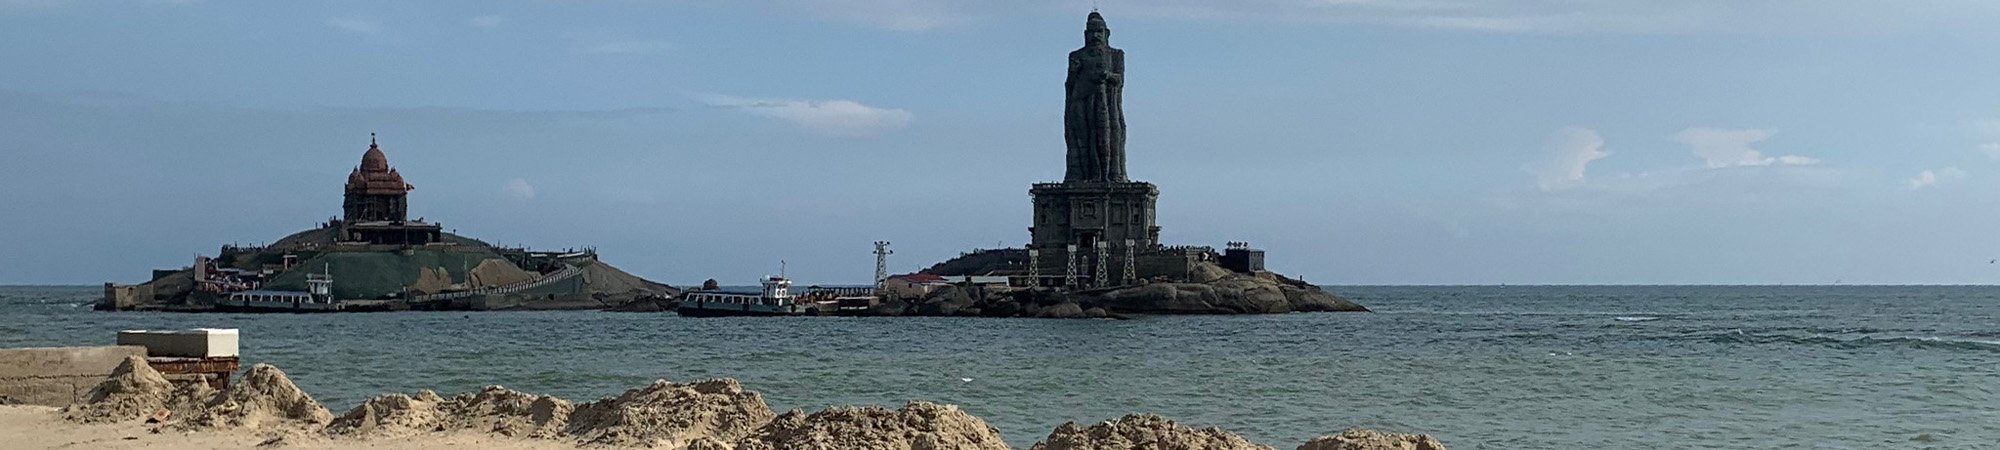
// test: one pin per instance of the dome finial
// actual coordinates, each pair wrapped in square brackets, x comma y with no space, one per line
[371,139]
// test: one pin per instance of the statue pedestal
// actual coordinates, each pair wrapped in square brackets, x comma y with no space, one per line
[1102,221]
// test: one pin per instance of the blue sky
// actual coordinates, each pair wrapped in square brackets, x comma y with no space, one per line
[1360,141]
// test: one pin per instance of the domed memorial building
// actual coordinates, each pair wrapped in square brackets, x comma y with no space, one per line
[377,207]
[375,257]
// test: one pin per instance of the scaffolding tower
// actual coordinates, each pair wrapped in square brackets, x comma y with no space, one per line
[881,263]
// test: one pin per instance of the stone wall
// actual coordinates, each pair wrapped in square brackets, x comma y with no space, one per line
[57,376]
[118,297]
[1174,263]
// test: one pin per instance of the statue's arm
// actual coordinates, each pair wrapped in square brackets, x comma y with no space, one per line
[1117,68]
[1075,65]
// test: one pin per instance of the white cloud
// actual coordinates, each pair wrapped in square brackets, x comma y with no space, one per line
[1731,148]
[1570,151]
[362,27]
[486,21]
[632,47]
[1927,179]
[518,189]
[835,118]
[1733,174]
[1989,131]
[1688,188]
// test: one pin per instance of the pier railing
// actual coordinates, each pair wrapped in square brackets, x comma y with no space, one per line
[567,272]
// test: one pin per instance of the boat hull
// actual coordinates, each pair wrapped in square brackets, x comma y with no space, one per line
[258,307]
[689,310]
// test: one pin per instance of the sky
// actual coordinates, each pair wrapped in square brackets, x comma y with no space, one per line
[1358,141]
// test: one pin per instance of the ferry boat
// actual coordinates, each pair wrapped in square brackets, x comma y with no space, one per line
[775,300]
[317,298]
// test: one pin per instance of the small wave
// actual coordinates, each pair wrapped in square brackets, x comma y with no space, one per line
[1926,342]
[1635,318]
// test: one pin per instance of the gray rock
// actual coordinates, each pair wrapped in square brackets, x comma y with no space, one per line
[1356,439]
[1142,432]
[1238,294]
[1064,310]
[1000,308]
[889,308]
[1314,299]
[945,301]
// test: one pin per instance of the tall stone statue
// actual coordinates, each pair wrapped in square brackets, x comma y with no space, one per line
[1084,223]
[1094,115]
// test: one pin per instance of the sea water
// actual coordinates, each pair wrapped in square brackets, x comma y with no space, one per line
[1629,367]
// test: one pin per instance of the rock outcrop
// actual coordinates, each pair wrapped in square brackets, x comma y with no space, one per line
[946,301]
[1261,293]
[1372,440]
[1064,310]
[1142,432]
[1197,287]
[915,426]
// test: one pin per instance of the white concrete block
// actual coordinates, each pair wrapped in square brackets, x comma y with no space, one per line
[195,343]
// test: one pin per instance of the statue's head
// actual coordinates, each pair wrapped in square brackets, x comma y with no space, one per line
[1095,32]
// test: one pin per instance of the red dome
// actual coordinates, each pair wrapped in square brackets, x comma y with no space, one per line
[374,160]
[375,177]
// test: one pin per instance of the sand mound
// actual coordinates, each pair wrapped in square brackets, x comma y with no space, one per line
[494,410]
[705,415]
[506,412]
[671,415]
[917,426]
[133,391]
[389,415]
[604,279]
[1142,432]
[496,272]
[265,397]
[1372,440]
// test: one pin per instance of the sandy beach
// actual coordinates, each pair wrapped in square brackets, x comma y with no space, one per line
[137,407]
[40,427]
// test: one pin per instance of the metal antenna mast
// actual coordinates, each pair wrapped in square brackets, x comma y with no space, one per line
[1130,275]
[1102,278]
[881,262]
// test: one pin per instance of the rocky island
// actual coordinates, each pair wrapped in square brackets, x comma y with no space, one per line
[374,258]
[1094,248]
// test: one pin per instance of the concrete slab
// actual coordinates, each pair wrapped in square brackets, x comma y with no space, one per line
[195,343]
